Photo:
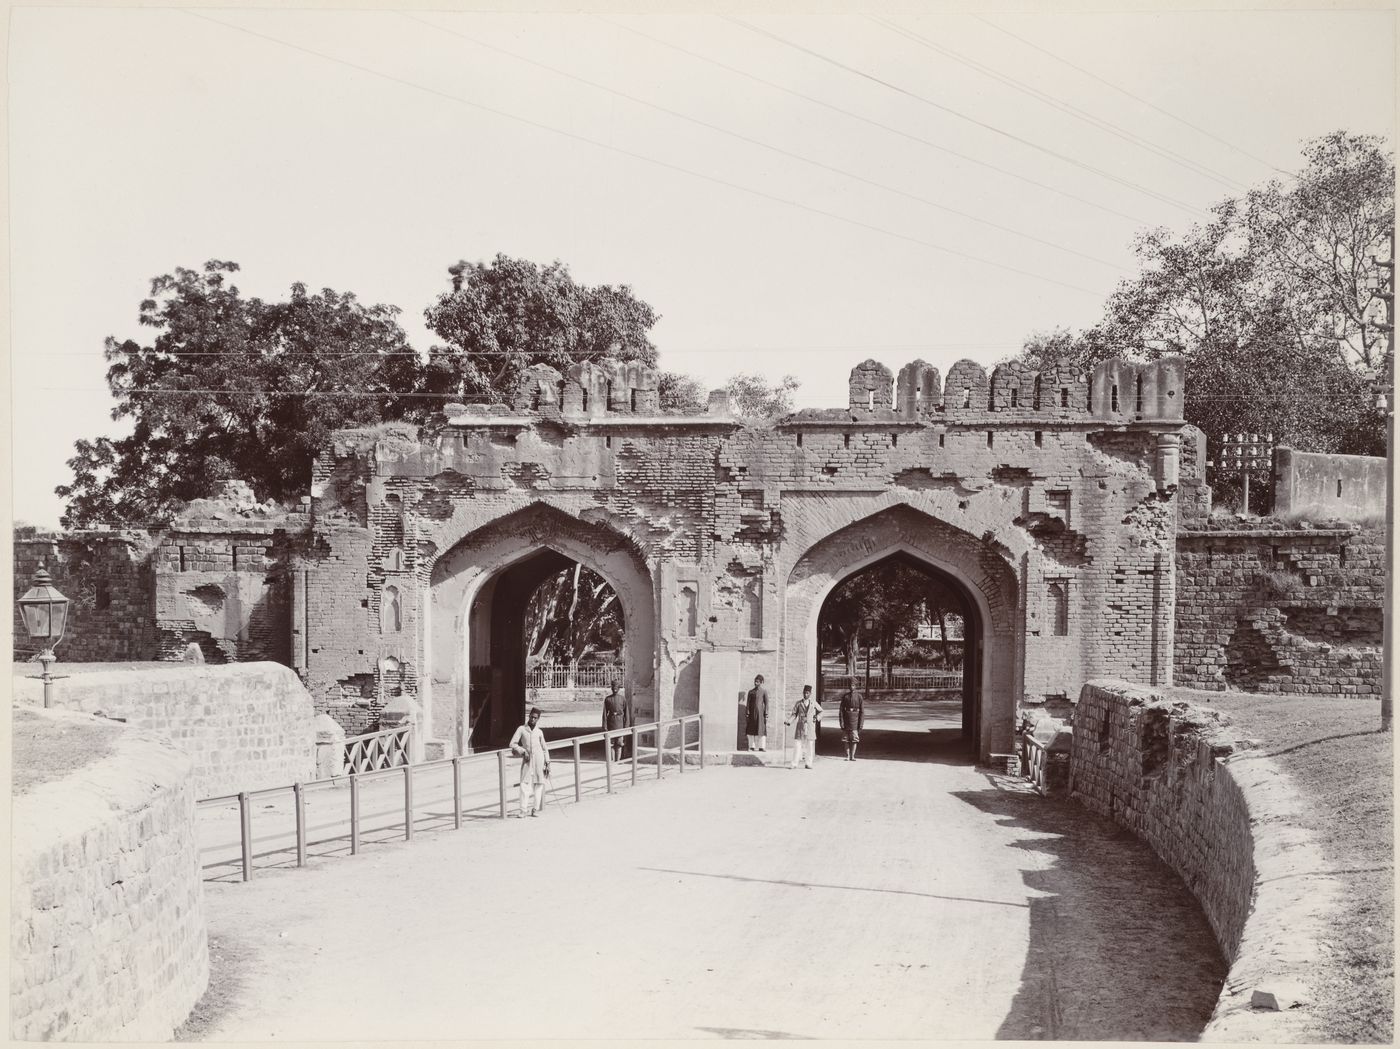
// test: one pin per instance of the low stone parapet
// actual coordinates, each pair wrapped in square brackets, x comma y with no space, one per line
[1225,819]
[245,725]
[107,928]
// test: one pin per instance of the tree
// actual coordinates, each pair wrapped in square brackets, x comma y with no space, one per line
[756,400]
[897,595]
[501,318]
[680,393]
[571,615]
[1268,302]
[233,387]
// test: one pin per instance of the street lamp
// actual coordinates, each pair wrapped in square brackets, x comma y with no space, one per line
[45,613]
[867,628]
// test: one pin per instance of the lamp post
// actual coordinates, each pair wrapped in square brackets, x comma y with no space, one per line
[45,614]
[867,628]
[1383,287]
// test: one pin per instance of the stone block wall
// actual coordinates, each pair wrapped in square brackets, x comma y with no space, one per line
[1332,486]
[1226,820]
[107,927]
[1276,611]
[108,580]
[245,727]
[1153,767]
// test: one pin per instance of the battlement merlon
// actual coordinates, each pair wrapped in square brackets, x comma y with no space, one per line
[1115,392]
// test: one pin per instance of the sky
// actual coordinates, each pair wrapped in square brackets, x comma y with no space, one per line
[793,194]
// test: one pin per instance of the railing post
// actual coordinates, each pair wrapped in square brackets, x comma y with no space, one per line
[457,793]
[407,802]
[682,765]
[245,834]
[700,720]
[354,814]
[635,739]
[300,802]
[501,774]
[578,783]
[660,750]
[607,758]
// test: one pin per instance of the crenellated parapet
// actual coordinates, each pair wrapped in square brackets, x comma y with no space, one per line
[1115,392]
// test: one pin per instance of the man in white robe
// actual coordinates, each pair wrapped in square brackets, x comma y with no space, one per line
[528,745]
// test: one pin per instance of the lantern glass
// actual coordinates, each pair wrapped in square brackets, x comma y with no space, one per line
[45,611]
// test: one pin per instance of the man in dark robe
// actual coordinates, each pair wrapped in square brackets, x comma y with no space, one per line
[757,725]
[852,721]
[614,717]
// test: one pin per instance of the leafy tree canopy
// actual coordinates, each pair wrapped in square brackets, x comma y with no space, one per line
[1271,302]
[755,399]
[234,387]
[502,317]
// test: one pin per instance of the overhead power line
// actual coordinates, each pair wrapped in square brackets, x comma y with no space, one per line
[872,122]
[1128,183]
[761,144]
[406,394]
[337,355]
[504,114]
[1136,98]
[1165,152]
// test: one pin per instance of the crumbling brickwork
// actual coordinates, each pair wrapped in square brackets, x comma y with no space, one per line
[108,578]
[1047,499]
[1297,611]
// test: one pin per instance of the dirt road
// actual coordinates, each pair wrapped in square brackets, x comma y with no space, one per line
[904,895]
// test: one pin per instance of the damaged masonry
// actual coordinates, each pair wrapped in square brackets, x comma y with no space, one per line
[1048,501]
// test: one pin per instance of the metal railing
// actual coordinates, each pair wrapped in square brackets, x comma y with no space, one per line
[574,675]
[614,771]
[898,681]
[373,751]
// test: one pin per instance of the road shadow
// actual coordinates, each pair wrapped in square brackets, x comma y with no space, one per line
[1119,949]
[934,743]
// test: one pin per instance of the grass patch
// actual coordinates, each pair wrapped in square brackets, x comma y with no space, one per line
[1330,748]
[44,748]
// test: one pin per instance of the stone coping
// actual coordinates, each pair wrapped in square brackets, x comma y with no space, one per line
[138,766]
[1294,897]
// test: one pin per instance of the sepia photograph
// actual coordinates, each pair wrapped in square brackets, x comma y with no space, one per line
[701,521]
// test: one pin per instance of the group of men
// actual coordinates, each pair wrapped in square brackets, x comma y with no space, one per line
[805,714]
[528,743]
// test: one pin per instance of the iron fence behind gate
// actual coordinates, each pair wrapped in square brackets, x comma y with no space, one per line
[573,675]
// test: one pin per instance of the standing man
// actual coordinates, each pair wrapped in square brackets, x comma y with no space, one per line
[757,727]
[614,717]
[852,721]
[528,745]
[804,735]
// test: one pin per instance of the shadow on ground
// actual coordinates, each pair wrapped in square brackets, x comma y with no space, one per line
[1097,966]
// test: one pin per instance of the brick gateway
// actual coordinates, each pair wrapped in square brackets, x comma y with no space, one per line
[1050,501]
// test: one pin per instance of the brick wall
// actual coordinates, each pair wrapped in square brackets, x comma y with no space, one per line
[1280,611]
[1226,821]
[108,581]
[245,727]
[107,928]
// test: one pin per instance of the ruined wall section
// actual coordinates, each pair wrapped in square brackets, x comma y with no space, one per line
[1297,611]
[1226,820]
[226,586]
[109,580]
[1067,479]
